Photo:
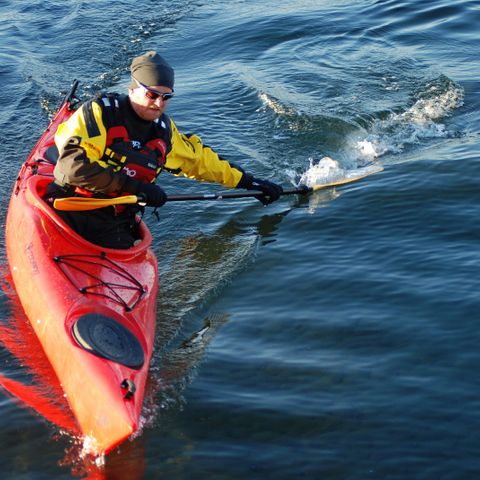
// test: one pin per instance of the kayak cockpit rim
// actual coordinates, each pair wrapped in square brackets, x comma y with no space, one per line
[38,183]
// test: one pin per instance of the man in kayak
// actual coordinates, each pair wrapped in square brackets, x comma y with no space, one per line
[118,144]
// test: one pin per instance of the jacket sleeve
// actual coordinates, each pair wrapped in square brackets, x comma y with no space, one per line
[81,142]
[190,158]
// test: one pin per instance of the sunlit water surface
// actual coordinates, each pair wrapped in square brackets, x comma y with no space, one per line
[330,336]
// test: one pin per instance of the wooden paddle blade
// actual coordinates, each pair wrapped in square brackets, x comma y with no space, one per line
[353,176]
[76,204]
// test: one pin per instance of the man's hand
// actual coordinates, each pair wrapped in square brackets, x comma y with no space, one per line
[270,191]
[153,194]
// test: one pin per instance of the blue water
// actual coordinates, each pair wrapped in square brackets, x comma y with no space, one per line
[343,327]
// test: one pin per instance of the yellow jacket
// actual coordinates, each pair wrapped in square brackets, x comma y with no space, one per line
[84,140]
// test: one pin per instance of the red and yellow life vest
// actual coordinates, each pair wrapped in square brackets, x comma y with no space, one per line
[143,162]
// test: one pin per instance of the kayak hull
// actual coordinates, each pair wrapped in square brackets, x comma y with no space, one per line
[62,280]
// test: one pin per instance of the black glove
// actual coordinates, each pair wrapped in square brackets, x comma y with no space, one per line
[153,194]
[270,191]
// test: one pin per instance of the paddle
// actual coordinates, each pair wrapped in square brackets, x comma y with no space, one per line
[85,203]
[76,204]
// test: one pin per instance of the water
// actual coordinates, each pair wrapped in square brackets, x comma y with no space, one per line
[338,333]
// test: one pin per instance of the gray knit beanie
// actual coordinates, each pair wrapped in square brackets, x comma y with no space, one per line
[152,70]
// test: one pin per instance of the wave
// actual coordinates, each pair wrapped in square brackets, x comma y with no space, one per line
[422,121]
[384,133]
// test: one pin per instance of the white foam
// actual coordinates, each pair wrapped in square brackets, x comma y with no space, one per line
[328,170]
[367,148]
[90,448]
[325,171]
[420,121]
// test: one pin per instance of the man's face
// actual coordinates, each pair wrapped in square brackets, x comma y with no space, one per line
[149,102]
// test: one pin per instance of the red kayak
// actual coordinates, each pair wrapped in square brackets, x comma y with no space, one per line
[93,309]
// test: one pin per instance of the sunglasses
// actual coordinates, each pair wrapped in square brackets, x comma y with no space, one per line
[152,94]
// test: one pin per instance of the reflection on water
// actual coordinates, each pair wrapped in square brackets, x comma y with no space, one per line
[195,269]
[33,381]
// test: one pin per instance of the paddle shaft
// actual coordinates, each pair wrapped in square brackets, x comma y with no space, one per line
[87,203]
[226,195]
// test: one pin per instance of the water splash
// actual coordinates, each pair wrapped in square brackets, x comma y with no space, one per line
[327,171]
[383,133]
[422,121]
